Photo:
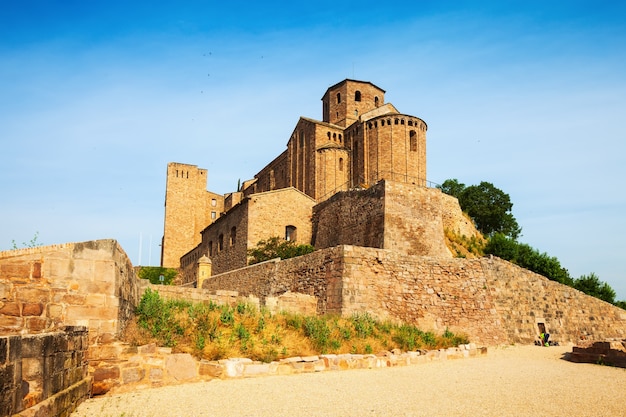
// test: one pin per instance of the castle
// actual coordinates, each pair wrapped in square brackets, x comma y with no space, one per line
[354,186]
[313,191]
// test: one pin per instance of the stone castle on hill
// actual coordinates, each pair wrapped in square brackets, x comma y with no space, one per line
[357,177]
[354,186]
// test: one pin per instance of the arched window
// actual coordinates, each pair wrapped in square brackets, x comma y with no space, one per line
[340,164]
[338,98]
[210,248]
[290,233]
[376,101]
[413,141]
[357,96]
[233,235]
[220,243]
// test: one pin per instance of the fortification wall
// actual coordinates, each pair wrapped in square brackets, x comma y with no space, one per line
[493,301]
[413,220]
[317,274]
[350,218]
[454,219]
[390,215]
[43,374]
[523,299]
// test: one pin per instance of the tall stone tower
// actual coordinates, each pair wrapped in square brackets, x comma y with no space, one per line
[189,208]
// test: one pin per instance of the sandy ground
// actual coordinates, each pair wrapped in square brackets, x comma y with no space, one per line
[511,381]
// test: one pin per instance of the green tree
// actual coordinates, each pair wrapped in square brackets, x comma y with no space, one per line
[591,285]
[527,257]
[488,206]
[452,187]
[275,247]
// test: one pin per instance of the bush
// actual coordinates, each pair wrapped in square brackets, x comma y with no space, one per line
[214,332]
[275,247]
[152,273]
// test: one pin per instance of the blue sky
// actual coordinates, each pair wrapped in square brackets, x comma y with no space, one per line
[97,98]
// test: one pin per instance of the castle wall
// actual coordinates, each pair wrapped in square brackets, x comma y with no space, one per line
[453,218]
[88,284]
[491,300]
[353,217]
[413,220]
[390,215]
[317,274]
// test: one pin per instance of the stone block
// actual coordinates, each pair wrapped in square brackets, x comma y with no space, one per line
[256,369]
[181,366]
[148,349]
[210,369]
[32,309]
[133,374]
[105,372]
[15,270]
[11,309]
[155,374]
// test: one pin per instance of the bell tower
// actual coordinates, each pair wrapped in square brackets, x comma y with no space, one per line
[345,101]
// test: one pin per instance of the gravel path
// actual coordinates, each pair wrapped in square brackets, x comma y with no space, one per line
[512,381]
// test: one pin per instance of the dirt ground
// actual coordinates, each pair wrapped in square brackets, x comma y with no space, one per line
[508,381]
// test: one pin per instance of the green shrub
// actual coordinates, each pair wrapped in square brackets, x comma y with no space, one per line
[152,274]
[276,247]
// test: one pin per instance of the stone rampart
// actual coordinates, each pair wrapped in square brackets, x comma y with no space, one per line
[43,374]
[491,300]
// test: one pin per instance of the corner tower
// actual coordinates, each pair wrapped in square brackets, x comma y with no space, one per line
[345,101]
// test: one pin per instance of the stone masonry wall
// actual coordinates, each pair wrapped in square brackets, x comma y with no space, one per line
[350,218]
[317,274]
[491,300]
[88,284]
[45,289]
[413,220]
[43,374]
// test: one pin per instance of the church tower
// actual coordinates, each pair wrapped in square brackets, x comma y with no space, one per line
[345,101]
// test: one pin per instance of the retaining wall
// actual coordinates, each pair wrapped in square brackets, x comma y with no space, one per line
[43,374]
[491,300]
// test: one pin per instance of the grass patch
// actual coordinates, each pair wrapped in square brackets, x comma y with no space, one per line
[212,331]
